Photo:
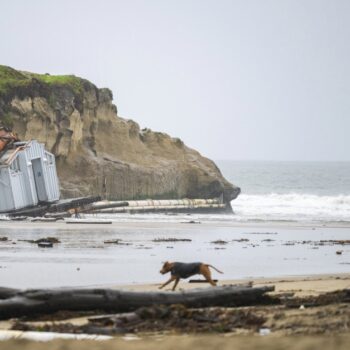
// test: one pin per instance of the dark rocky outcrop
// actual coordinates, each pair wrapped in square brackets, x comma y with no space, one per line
[98,152]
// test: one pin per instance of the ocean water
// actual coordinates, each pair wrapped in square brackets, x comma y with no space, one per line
[301,192]
[290,191]
[83,259]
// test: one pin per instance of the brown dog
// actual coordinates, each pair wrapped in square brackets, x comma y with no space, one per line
[182,270]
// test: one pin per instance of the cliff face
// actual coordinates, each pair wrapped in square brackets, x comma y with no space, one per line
[97,152]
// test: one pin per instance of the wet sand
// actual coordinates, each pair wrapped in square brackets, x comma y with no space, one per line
[86,256]
[299,285]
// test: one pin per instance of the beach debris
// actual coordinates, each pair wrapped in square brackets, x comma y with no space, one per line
[268,240]
[19,218]
[190,222]
[241,240]
[48,301]
[47,336]
[285,295]
[117,241]
[336,241]
[330,242]
[43,219]
[289,243]
[158,240]
[283,317]
[58,207]
[88,221]
[45,244]
[219,241]
[160,318]
[59,215]
[200,281]
[4,239]
[339,252]
[51,240]
[340,296]
[264,331]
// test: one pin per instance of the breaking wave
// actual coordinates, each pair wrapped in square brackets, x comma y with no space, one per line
[292,207]
[273,207]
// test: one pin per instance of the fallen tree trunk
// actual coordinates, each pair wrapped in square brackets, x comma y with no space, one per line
[16,303]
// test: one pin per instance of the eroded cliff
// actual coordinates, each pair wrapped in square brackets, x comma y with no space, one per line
[98,152]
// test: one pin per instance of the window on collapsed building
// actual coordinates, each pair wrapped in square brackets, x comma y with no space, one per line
[15,166]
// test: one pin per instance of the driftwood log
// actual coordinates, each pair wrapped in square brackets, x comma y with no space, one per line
[17,303]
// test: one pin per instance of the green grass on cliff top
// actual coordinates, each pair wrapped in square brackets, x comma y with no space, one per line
[11,79]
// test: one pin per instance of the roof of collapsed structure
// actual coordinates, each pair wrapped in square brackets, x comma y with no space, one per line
[9,154]
[9,146]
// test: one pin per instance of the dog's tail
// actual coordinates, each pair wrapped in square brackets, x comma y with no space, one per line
[214,268]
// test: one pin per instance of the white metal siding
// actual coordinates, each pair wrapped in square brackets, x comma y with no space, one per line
[6,196]
[35,150]
[19,190]
[51,178]
[29,185]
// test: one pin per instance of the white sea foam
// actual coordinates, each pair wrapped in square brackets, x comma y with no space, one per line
[263,207]
[292,207]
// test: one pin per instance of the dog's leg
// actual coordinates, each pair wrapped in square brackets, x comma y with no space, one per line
[172,278]
[207,274]
[176,282]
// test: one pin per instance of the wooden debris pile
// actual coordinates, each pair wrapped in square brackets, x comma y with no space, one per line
[160,318]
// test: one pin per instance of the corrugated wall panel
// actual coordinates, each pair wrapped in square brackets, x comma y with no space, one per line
[6,197]
[51,178]
[35,150]
[19,190]
[29,185]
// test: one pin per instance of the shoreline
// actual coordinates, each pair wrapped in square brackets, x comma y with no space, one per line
[148,224]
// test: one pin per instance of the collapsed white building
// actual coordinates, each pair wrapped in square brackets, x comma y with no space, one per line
[28,176]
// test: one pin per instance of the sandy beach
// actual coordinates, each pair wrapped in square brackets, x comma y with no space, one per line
[299,285]
[298,260]
[323,326]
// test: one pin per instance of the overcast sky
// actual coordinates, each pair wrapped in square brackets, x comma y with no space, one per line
[249,79]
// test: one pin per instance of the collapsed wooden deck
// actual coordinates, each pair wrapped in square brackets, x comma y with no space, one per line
[94,205]
[63,205]
[186,205]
